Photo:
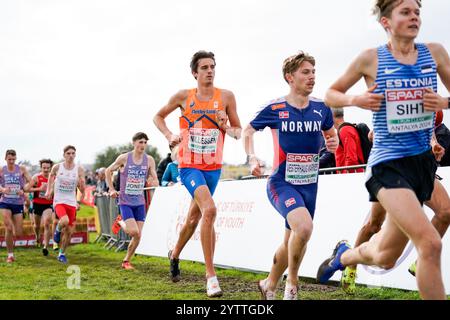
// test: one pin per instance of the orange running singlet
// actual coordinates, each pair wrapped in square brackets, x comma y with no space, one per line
[202,141]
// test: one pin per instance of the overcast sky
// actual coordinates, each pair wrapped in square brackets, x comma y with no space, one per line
[93,72]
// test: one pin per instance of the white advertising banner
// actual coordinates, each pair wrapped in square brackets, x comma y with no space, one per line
[249,229]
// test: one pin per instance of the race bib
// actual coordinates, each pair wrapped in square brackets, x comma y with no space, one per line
[302,169]
[405,111]
[42,193]
[13,191]
[134,186]
[203,141]
[67,186]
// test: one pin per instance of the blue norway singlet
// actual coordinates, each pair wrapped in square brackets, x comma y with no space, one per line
[402,127]
[297,138]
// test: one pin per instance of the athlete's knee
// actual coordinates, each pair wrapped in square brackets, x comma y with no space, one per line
[209,213]
[64,221]
[430,248]
[443,214]
[303,231]
[374,226]
[385,260]
[193,220]
[9,227]
[134,233]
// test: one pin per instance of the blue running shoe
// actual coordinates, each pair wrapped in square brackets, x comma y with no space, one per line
[332,264]
[57,236]
[62,258]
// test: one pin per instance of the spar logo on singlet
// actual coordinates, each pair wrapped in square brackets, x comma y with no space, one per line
[135,180]
[302,168]
[203,141]
[404,105]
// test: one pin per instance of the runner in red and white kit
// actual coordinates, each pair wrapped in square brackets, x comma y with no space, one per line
[42,207]
[64,179]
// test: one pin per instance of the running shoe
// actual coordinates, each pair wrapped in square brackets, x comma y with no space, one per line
[10,259]
[348,281]
[57,236]
[290,292]
[127,265]
[266,294]
[412,269]
[116,226]
[212,288]
[175,273]
[55,246]
[62,258]
[332,264]
[45,251]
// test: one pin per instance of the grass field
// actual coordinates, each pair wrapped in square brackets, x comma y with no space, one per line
[33,276]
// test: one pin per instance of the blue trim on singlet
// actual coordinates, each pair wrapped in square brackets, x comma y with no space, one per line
[390,146]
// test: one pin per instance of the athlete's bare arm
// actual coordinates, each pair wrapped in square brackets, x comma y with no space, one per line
[331,139]
[431,100]
[175,102]
[364,66]
[2,189]
[119,163]
[51,181]
[234,130]
[28,179]
[34,182]
[81,181]
[436,148]
[256,166]
[152,177]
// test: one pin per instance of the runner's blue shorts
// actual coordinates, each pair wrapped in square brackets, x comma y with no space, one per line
[14,208]
[132,212]
[194,178]
[286,197]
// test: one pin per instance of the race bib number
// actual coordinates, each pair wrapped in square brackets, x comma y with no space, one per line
[405,111]
[13,191]
[134,186]
[42,193]
[203,141]
[302,169]
[67,186]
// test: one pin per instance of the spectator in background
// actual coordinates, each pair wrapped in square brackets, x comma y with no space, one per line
[327,159]
[171,175]
[162,165]
[101,187]
[443,137]
[349,153]
[90,180]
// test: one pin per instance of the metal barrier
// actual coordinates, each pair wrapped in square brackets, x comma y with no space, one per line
[102,204]
[321,171]
[108,210]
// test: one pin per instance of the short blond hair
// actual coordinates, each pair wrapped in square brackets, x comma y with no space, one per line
[292,63]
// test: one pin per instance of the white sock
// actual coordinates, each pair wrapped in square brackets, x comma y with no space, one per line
[10,255]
